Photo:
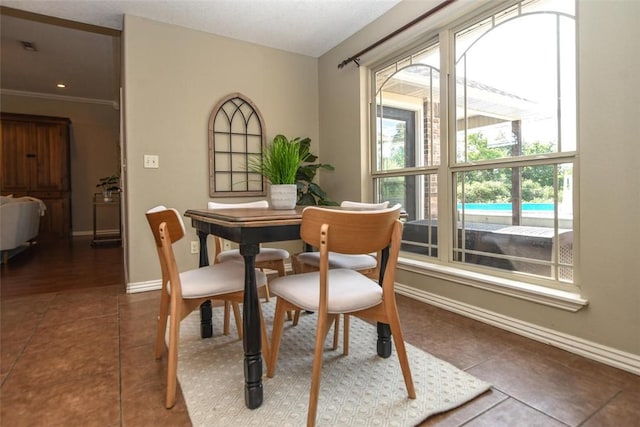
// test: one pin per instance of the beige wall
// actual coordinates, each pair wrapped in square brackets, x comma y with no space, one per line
[609,190]
[173,78]
[94,148]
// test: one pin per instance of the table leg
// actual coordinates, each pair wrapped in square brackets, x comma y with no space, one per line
[204,253]
[384,331]
[384,340]
[251,323]
[206,323]
[206,326]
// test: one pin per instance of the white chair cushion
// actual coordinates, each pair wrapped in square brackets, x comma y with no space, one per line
[266,254]
[348,290]
[336,260]
[158,208]
[216,279]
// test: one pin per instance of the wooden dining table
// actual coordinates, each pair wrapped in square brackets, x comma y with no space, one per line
[249,227]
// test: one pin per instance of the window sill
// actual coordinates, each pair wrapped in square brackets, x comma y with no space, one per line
[564,300]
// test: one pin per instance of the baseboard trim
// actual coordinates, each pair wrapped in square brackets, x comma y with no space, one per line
[98,233]
[151,285]
[591,350]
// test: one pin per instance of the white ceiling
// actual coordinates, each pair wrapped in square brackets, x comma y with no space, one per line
[85,60]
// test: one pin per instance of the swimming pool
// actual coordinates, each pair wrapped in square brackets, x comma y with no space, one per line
[506,207]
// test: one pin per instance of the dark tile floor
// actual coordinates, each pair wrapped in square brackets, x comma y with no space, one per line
[77,350]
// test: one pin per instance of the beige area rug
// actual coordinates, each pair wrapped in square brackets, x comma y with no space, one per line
[360,389]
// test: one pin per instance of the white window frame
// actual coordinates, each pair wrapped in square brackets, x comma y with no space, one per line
[541,290]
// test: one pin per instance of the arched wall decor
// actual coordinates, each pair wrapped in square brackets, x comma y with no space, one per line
[236,133]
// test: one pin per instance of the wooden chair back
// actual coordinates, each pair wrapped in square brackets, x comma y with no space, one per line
[166,223]
[350,231]
[171,217]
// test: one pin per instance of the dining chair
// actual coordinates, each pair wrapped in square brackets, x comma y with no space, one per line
[267,258]
[183,292]
[366,264]
[332,292]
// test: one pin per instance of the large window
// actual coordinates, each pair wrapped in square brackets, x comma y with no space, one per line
[484,165]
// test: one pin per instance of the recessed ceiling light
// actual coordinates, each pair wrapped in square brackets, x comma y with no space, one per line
[61,85]
[30,46]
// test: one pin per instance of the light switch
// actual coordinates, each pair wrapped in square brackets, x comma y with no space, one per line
[151,161]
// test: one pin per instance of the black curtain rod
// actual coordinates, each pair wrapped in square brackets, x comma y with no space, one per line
[355,58]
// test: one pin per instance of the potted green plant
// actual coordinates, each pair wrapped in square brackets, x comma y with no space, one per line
[107,185]
[310,193]
[279,165]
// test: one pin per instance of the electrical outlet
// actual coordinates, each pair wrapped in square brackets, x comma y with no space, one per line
[151,161]
[195,247]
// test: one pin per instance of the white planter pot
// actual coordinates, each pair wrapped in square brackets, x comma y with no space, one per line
[283,196]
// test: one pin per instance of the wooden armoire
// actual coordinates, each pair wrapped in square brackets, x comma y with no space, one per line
[35,162]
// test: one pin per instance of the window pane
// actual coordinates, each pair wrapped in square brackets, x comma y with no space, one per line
[397,142]
[429,56]
[512,82]
[418,196]
[517,219]
[397,189]
[383,75]
[408,112]
[567,53]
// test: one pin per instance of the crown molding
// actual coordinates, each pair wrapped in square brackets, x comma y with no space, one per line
[54,97]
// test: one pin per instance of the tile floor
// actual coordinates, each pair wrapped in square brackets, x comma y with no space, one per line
[83,355]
